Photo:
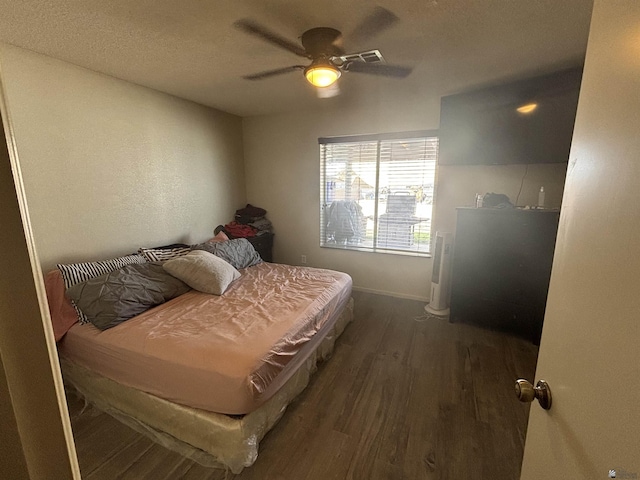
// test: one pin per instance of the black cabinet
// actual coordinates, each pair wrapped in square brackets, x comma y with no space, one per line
[501,268]
[263,245]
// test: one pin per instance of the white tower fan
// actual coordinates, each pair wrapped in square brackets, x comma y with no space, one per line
[440,278]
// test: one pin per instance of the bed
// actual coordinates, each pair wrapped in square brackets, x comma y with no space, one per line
[208,375]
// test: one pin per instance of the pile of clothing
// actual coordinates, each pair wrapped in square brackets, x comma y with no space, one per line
[249,221]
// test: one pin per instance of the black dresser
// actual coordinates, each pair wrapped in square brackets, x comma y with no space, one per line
[501,268]
[263,245]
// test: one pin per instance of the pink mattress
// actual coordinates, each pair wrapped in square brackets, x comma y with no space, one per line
[225,354]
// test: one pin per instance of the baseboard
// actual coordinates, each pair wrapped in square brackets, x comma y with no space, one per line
[391,294]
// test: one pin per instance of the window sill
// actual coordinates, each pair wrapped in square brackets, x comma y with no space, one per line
[405,253]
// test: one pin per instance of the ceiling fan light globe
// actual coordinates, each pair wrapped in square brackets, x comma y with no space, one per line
[322,75]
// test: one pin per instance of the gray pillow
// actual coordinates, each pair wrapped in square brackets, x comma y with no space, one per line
[114,297]
[238,252]
[203,271]
[81,272]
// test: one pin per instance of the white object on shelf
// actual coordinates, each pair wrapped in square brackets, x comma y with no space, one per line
[441,275]
[541,198]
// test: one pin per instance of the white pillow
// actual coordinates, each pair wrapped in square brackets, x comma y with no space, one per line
[202,271]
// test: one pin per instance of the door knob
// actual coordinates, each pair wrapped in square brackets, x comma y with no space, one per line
[526,392]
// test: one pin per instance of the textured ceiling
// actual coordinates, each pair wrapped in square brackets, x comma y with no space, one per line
[191,49]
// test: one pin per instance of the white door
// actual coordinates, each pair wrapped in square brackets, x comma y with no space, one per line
[590,346]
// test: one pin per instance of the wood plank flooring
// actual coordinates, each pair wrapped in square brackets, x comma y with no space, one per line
[402,398]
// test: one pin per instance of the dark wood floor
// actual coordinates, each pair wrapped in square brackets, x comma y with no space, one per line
[402,398]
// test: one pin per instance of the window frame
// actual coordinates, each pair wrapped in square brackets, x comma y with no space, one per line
[379,138]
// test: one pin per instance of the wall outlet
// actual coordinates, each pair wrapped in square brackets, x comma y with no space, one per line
[303,259]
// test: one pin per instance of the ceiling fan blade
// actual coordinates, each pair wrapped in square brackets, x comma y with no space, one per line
[272,73]
[332,90]
[379,20]
[253,28]
[378,69]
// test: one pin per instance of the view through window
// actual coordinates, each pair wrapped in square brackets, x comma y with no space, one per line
[377,192]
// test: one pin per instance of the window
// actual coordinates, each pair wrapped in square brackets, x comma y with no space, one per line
[377,192]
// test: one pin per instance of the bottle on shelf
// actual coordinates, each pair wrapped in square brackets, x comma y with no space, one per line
[479,199]
[541,198]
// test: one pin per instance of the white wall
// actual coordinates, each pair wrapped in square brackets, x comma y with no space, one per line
[283,176]
[110,166]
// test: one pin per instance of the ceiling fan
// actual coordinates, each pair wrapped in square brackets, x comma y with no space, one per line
[323,46]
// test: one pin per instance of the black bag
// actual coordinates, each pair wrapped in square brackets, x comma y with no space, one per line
[496,200]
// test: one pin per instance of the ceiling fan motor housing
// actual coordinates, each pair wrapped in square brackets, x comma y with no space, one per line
[323,46]
[322,42]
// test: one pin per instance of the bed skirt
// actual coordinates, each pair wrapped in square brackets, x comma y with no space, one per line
[211,439]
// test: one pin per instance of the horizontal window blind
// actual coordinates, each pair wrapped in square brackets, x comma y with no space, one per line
[377,193]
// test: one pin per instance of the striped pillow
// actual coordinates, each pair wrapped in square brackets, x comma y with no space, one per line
[75,273]
[163,254]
